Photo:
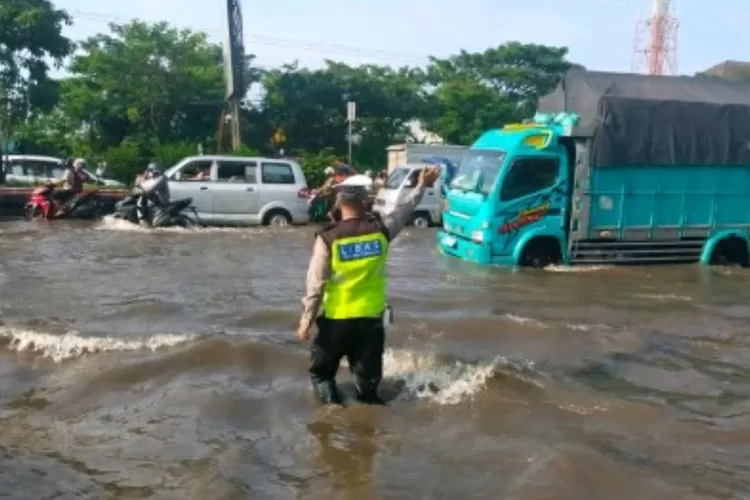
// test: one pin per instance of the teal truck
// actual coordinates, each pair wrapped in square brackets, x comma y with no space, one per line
[613,169]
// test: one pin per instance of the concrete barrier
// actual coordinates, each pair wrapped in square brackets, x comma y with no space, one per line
[13,199]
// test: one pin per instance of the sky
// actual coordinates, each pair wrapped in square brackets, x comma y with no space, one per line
[599,33]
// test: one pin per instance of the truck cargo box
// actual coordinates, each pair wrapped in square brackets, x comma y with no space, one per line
[635,203]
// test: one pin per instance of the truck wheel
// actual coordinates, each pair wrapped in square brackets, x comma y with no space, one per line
[421,220]
[731,251]
[540,253]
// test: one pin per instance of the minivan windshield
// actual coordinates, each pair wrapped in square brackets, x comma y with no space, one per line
[479,160]
[397,178]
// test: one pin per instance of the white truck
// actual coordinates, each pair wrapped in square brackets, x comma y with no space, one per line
[400,155]
[405,162]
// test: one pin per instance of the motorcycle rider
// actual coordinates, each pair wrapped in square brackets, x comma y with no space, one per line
[72,179]
[154,187]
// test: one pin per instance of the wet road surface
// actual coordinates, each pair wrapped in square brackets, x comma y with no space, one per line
[137,364]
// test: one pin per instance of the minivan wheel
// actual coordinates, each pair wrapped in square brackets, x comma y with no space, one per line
[277,218]
[422,221]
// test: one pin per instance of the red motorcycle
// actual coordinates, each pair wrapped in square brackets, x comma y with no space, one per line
[86,205]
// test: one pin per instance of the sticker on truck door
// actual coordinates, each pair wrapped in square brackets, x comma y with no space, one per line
[525,217]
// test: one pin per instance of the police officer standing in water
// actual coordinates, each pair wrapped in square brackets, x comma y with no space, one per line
[347,277]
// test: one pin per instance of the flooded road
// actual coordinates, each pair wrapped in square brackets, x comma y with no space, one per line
[163,365]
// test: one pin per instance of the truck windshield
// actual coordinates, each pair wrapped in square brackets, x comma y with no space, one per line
[396,178]
[485,161]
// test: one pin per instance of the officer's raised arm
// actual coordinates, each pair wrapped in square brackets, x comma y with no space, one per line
[401,215]
[318,272]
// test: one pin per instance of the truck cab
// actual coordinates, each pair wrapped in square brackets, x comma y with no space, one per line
[509,202]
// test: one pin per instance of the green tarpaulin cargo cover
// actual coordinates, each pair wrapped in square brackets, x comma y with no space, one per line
[656,120]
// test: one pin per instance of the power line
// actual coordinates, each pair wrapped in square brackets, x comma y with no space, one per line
[281,42]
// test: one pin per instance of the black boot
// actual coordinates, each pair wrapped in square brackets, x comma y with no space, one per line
[366,391]
[327,393]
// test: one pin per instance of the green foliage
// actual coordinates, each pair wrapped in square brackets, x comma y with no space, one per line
[150,92]
[170,153]
[313,165]
[30,38]
[478,91]
[124,161]
[245,151]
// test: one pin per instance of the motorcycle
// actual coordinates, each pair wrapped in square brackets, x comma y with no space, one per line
[318,207]
[135,210]
[86,205]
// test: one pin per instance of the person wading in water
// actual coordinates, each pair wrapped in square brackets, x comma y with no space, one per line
[347,276]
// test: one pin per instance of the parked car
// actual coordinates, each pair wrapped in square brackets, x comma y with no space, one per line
[244,191]
[34,169]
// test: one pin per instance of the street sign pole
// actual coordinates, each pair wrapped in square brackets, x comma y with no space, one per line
[351,115]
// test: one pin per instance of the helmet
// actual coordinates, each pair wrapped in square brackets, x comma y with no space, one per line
[358,181]
[329,171]
[354,188]
[153,169]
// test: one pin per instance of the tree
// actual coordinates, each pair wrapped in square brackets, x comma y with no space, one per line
[30,37]
[310,107]
[149,84]
[473,92]
[150,91]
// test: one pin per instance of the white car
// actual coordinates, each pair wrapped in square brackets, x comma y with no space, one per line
[34,169]
[242,191]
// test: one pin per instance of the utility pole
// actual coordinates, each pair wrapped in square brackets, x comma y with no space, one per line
[234,104]
[351,115]
[234,57]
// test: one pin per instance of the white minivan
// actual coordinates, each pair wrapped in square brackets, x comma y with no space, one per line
[242,191]
[398,186]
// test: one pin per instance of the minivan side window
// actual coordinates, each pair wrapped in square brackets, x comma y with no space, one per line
[277,173]
[236,171]
[529,175]
[199,170]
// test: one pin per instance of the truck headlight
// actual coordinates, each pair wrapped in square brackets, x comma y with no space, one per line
[477,236]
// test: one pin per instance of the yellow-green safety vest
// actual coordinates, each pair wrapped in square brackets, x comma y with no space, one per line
[357,287]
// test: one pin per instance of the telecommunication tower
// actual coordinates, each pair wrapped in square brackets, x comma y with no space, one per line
[655,44]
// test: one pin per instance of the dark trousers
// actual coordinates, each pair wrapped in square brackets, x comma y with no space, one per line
[361,340]
[63,195]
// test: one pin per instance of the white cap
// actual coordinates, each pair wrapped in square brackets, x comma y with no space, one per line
[79,162]
[329,171]
[355,181]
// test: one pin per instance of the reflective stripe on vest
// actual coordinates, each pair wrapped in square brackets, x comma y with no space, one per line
[357,288]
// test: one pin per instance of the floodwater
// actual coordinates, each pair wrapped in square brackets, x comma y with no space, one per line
[137,364]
